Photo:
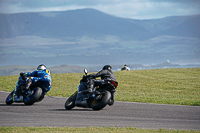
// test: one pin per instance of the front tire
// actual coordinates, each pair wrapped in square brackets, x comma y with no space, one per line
[70,103]
[34,97]
[9,99]
[100,104]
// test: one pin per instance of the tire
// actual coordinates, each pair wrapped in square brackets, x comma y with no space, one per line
[111,102]
[70,103]
[34,97]
[9,99]
[100,104]
[41,98]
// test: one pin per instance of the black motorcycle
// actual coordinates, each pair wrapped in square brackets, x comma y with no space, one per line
[24,93]
[97,99]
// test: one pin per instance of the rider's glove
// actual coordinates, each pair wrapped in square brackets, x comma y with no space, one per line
[22,74]
[89,76]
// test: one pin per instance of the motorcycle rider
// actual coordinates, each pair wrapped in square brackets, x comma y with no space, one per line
[40,77]
[106,75]
[125,68]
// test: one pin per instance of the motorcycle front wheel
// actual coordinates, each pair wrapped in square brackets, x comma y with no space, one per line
[70,103]
[101,103]
[9,99]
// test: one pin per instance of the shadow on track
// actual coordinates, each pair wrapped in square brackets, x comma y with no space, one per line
[12,105]
[71,110]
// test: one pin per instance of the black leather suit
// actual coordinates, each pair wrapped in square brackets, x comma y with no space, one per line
[106,75]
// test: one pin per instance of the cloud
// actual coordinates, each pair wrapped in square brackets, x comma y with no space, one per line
[138,9]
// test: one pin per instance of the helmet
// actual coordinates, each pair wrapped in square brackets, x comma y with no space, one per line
[41,67]
[107,67]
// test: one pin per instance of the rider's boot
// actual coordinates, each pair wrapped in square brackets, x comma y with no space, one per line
[85,93]
[28,83]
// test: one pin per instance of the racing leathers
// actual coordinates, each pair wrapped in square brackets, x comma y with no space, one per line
[41,78]
[106,75]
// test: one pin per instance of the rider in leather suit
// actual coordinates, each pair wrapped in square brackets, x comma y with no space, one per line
[40,77]
[106,75]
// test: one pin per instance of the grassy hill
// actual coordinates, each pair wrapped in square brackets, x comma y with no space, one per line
[163,86]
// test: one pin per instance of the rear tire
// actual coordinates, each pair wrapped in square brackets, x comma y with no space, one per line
[70,103]
[34,97]
[41,98]
[9,99]
[100,104]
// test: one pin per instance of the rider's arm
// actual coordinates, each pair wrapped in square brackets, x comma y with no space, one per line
[99,74]
[31,74]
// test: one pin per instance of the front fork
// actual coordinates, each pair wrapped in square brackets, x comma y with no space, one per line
[74,95]
[14,93]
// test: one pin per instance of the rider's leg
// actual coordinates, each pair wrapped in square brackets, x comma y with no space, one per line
[90,86]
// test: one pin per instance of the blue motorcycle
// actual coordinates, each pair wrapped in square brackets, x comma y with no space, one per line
[23,93]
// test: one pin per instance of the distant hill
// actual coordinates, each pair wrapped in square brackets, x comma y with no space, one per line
[185,26]
[91,22]
[90,37]
[15,70]
[83,22]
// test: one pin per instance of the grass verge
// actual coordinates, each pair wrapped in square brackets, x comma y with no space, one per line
[87,130]
[161,86]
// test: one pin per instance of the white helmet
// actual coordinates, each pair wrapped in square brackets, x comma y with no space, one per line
[41,67]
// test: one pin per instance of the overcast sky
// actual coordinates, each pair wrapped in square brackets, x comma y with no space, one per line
[135,9]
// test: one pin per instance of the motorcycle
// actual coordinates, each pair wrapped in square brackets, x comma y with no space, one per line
[125,68]
[23,93]
[97,99]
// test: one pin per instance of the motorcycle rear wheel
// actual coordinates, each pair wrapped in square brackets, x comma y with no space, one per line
[34,97]
[9,99]
[70,103]
[100,104]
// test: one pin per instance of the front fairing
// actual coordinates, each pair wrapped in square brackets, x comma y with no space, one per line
[82,86]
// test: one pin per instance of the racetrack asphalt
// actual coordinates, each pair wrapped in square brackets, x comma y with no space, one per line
[51,113]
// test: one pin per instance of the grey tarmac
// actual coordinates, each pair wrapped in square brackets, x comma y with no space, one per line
[51,113]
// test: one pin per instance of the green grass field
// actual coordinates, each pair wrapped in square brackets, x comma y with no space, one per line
[163,86]
[87,130]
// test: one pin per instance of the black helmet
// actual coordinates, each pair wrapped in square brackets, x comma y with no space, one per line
[107,67]
[41,67]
